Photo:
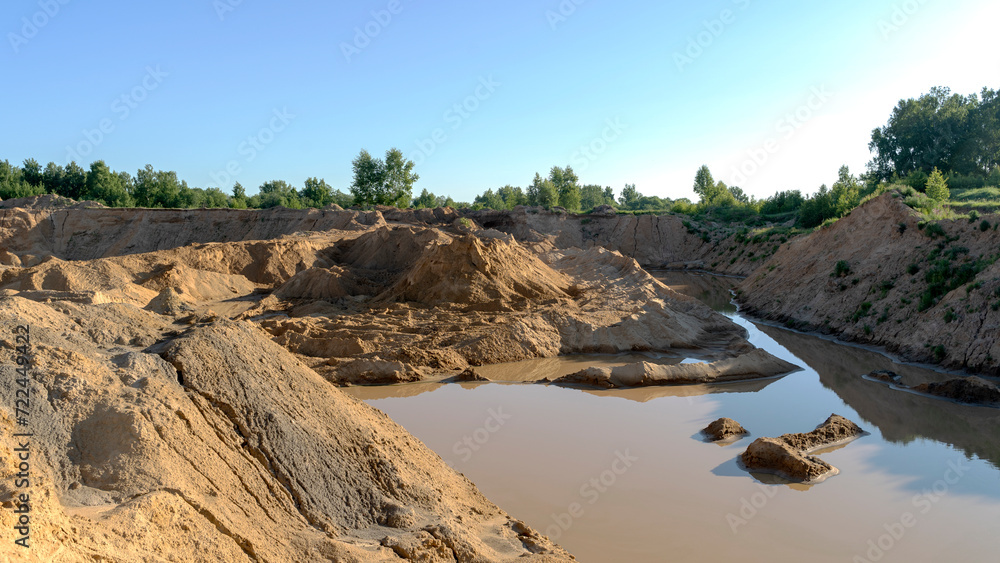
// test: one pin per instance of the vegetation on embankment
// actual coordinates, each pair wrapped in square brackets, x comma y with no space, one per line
[891,275]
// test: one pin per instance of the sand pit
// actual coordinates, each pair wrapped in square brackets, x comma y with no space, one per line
[190,413]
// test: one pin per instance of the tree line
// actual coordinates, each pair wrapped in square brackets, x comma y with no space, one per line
[153,188]
[935,143]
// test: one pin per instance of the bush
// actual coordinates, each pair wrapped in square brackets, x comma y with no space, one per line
[934,230]
[939,353]
[862,311]
[937,186]
[984,226]
[841,269]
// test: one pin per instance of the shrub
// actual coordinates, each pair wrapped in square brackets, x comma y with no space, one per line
[885,286]
[841,269]
[973,216]
[938,352]
[862,311]
[934,230]
[912,269]
[984,226]
[937,186]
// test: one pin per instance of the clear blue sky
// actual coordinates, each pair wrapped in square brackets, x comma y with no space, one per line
[201,77]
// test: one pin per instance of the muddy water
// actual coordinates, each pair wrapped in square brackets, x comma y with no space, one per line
[623,476]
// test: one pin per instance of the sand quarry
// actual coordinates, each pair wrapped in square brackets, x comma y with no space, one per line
[186,369]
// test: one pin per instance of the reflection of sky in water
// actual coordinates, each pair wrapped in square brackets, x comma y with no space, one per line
[674,501]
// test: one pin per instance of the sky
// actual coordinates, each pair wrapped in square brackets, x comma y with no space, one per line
[770,95]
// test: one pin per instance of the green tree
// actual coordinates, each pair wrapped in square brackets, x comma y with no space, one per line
[104,186]
[342,199]
[846,192]
[214,197]
[512,196]
[74,181]
[316,193]
[737,193]
[424,200]
[278,193]
[542,192]
[32,172]
[704,184]
[489,200]
[937,186]
[156,188]
[399,178]
[13,184]
[52,178]
[817,208]
[937,130]
[567,184]
[629,196]
[591,196]
[378,182]
[239,198]
[609,196]
[782,202]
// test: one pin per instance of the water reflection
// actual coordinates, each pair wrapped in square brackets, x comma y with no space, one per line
[529,371]
[687,500]
[901,417]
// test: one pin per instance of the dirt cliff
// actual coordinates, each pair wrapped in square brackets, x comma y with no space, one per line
[928,291]
[82,230]
[75,233]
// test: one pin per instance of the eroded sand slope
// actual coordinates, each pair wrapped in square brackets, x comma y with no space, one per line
[880,300]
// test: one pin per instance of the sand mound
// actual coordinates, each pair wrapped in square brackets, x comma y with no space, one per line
[752,365]
[48,201]
[101,276]
[231,450]
[169,302]
[320,283]
[470,270]
[788,457]
[387,249]
[724,429]
[197,285]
